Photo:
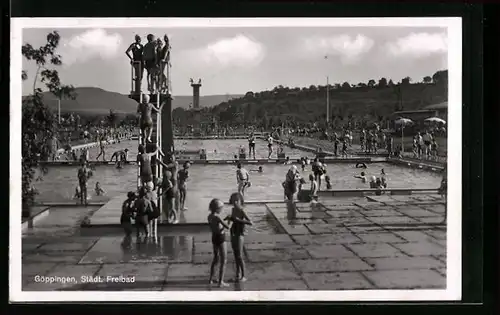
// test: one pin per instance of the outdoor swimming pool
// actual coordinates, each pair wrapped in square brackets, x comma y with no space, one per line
[219,181]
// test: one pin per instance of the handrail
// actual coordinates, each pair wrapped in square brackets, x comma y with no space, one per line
[136,76]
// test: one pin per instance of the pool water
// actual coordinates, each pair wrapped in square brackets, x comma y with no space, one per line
[209,181]
[216,149]
[205,182]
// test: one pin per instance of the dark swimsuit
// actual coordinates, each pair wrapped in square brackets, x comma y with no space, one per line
[218,238]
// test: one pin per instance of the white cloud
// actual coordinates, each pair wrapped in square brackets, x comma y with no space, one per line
[348,48]
[239,51]
[419,45]
[96,43]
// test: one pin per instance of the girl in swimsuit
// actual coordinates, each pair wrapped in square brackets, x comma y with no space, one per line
[239,221]
[218,228]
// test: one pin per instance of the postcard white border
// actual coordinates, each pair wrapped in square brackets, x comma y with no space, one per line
[454,232]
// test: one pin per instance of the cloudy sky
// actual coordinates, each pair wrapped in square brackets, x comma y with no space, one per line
[237,60]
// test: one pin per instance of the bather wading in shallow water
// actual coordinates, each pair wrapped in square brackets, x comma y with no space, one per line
[83,177]
[242,179]
[290,184]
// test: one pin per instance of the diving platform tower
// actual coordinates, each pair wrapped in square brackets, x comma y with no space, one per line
[163,134]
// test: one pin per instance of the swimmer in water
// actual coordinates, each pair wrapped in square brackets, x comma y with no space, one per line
[120,155]
[98,189]
[303,164]
[378,186]
[259,170]
[218,228]
[362,177]
[78,193]
[287,161]
[360,165]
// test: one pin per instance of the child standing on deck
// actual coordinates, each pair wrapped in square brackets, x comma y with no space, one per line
[239,220]
[218,229]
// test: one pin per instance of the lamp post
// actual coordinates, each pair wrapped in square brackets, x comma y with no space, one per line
[327,101]
[327,96]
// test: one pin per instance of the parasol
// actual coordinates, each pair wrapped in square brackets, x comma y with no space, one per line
[436,120]
[403,122]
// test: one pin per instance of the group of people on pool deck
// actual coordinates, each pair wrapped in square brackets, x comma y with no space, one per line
[84,173]
[154,57]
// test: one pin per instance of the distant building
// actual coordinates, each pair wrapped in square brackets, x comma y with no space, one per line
[436,110]
[418,116]
[441,110]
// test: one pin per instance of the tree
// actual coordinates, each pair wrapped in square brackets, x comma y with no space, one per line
[440,77]
[249,94]
[346,85]
[38,122]
[406,81]
[382,83]
[371,83]
[361,85]
[427,79]
[390,83]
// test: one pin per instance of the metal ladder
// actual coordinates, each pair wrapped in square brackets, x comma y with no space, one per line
[156,135]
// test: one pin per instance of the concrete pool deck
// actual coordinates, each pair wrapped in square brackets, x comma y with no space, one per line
[395,242]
